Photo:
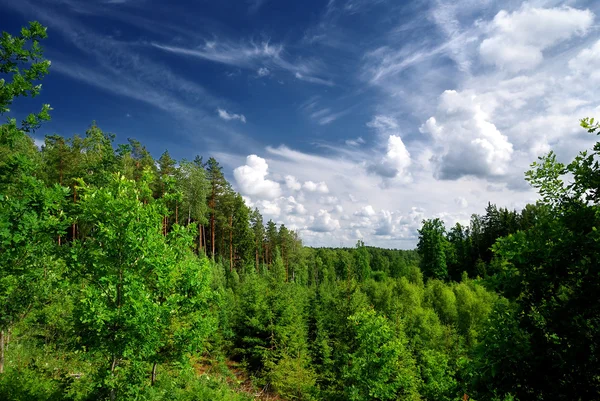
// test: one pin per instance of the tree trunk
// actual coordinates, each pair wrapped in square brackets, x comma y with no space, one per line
[284,261]
[204,240]
[212,234]
[154,372]
[113,394]
[231,243]
[256,253]
[74,228]
[199,238]
[1,351]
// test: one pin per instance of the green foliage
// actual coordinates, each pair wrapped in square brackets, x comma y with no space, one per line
[22,62]
[432,248]
[379,367]
[143,296]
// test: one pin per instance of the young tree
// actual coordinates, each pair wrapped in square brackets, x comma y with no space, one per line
[380,367]
[142,293]
[432,248]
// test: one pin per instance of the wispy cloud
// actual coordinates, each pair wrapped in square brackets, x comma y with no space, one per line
[239,55]
[355,142]
[321,116]
[313,80]
[225,115]
[255,5]
[250,55]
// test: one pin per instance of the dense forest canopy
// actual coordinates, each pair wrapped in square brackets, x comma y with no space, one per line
[123,276]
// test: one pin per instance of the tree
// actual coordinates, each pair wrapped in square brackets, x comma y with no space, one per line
[432,248]
[218,186]
[142,296]
[21,58]
[30,213]
[380,367]
[259,236]
[550,272]
[194,188]
[362,261]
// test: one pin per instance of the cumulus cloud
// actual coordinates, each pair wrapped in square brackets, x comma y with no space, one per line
[293,207]
[270,209]
[329,200]
[396,160]
[252,179]
[311,186]
[385,225]
[323,222]
[586,65]
[225,115]
[292,183]
[465,141]
[365,211]
[517,39]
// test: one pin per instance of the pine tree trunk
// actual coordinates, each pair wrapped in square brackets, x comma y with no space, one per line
[212,234]
[204,239]
[199,238]
[231,243]
[284,261]
[256,253]
[1,351]
[74,201]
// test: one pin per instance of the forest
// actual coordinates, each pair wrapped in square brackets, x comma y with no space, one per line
[126,277]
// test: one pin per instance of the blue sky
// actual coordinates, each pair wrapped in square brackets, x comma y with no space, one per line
[343,119]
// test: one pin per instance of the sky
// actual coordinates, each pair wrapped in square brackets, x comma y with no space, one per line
[345,120]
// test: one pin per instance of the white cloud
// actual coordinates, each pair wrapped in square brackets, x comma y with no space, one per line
[293,207]
[385,225]
[461,201]
[355,142]
[313,80]
[517,39]
[383,123]
[465,141]
[251,179]
[323,222]
[39,142]
[396,160]
[311,186]
[292,183]
[263,71]
[586,65]
[329,200]
[269,208]
[230,116]
[365,211]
